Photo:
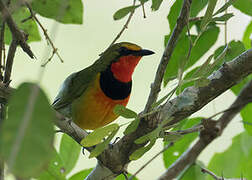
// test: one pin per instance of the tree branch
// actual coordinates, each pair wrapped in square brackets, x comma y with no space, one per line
[181,23]
[18,34]
[212,131]
[9,62]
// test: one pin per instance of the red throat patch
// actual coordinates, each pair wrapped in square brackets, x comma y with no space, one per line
[124,68]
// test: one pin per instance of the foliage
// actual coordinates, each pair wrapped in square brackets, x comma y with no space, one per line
[236,160]
[26,136]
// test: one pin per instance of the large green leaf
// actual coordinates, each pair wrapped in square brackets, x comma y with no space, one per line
[64,11]
[196,7]
[247,35]
[236,161]
[171,154]
[204,43]
[29,26]
[55,170]
[244,6]
[246,114]
[26,136]
[69,152]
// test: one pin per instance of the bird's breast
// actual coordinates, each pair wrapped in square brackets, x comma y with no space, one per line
[94,108]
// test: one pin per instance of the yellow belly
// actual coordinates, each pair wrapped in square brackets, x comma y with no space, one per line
[94,109]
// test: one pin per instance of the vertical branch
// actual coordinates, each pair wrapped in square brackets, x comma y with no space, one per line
[1,49]
[9,62]
[181,23]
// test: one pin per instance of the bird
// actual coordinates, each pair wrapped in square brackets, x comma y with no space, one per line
[89,96]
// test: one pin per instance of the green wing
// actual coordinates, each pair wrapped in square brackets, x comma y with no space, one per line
[73,87]
[76,84]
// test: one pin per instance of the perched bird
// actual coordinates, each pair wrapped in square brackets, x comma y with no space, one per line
[90,95]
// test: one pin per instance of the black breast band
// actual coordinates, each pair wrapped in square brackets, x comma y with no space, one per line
[113,88]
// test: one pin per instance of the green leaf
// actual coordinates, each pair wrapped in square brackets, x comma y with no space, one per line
[156,4]
[99,148]
[29,26]
[201,70]
[123,12]
[246,114]
[238,87]
[208,15]
[67,11]
[171,154]
[81,174]
[121,110]
[26,136]
[69,152]
[234,161]
[84,173]
[224,7]
[235,48]
[194,172]
[247,36]
[132,126]
[141,151]
[224,17]
[55,170]
[98,135]
[150,136]
[244,6]
[204,43]
[187,79]
[173,14]
[196,7]
[202,82]
[172,137]
[122,177]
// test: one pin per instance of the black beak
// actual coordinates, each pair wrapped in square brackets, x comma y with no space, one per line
[143,52]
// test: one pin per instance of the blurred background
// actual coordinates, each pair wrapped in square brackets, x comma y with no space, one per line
[80,46]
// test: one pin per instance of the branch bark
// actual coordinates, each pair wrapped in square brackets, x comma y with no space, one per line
[214,129]
[181,23]
[19,35]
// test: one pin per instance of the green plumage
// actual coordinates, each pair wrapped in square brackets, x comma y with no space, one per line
[75,84]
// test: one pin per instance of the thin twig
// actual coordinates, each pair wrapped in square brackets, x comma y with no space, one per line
[9,62]
[204,170]
[148,162]
[181,23]
[125,25]
[1,50]
[19,35]
[196,128]
[144,14]
[55,50]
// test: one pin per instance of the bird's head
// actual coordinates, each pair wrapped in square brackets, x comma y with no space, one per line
[128,55]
